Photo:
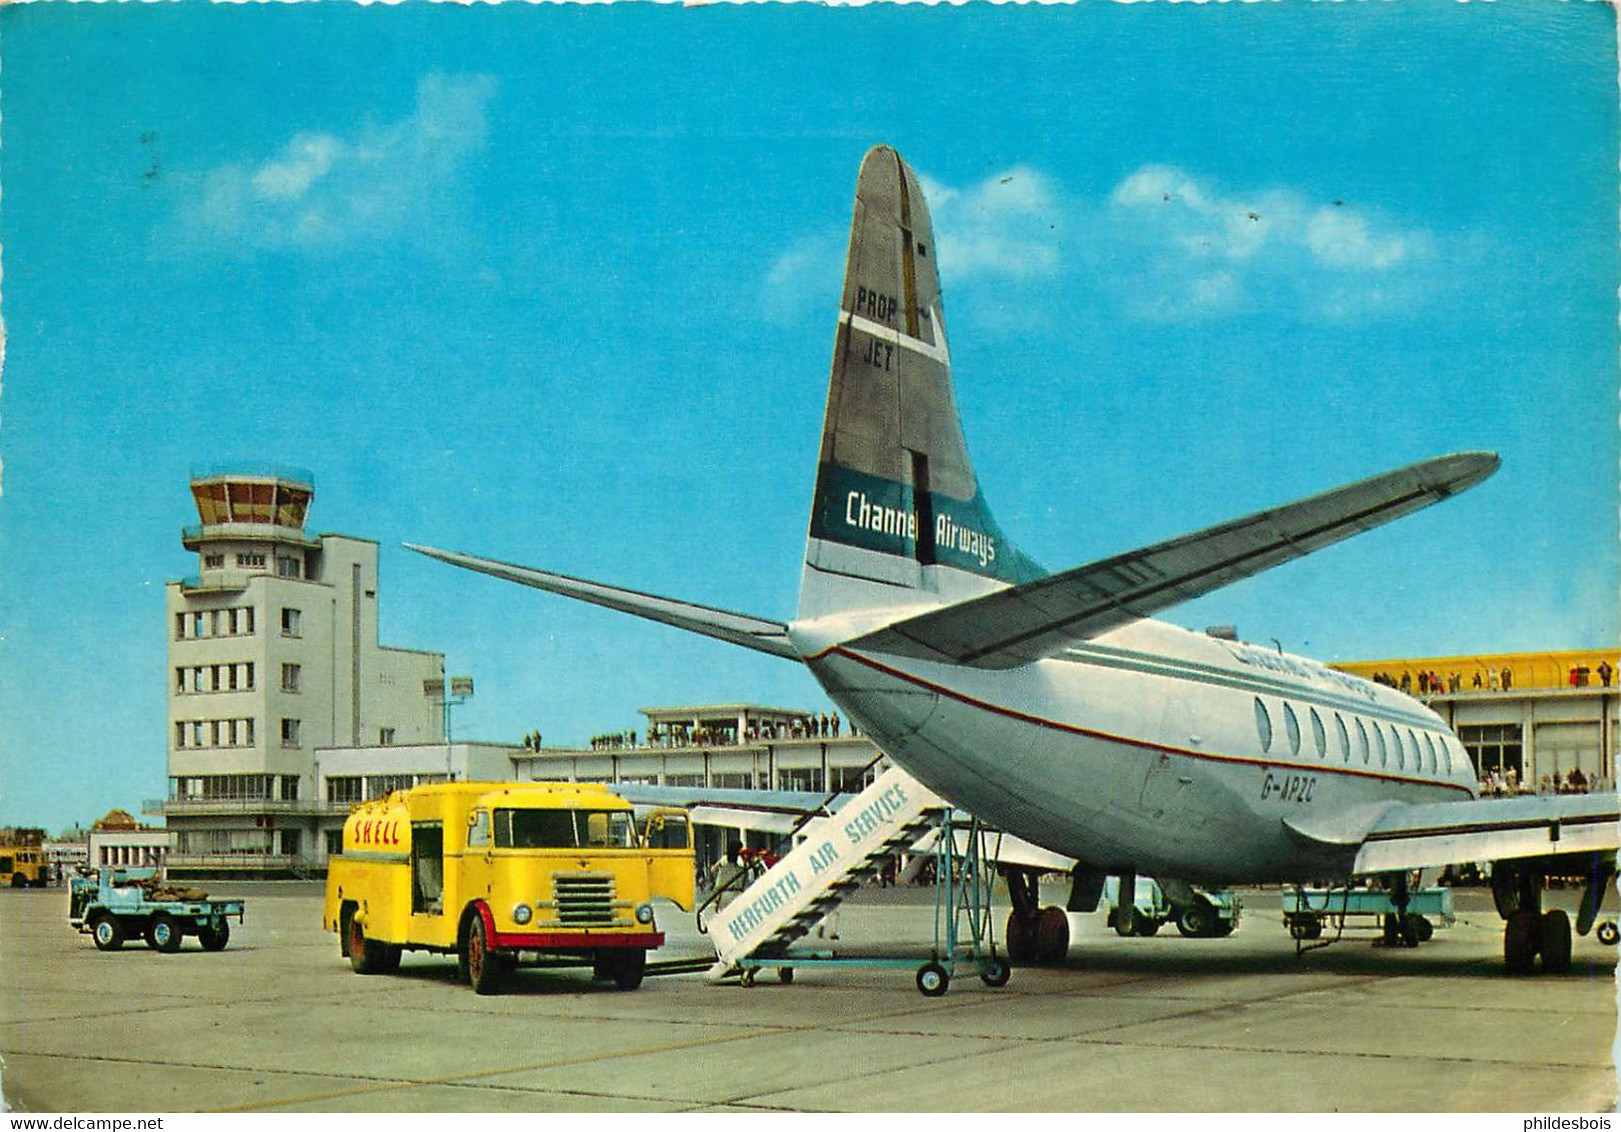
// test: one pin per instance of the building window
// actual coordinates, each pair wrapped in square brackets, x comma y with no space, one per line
[289,677]
[289,732]
[179,626]
[346,790]
[180,679]
[179,734]
[288,567]
[213,562]
[385,737]
[289,623]
[250,561]
[1494,749]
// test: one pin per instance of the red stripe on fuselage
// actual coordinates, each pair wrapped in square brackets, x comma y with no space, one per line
[1143,744]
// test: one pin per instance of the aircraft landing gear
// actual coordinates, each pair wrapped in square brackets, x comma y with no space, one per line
[1527,930]
[1034,934]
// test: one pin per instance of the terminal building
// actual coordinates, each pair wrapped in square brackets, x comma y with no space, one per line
[272,656]
[1531,722]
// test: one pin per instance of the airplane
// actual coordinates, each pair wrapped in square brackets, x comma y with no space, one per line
[1053,706]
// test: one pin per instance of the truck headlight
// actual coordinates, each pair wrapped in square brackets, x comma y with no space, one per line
[522,914]
[644,913]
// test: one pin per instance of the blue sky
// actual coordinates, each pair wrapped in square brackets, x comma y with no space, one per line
[556,285]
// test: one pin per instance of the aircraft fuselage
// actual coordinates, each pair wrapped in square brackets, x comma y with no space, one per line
[1154,749]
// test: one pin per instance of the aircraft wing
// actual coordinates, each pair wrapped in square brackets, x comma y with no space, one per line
[734,628]
[1397,836]
[782,811]
[769,811]
[1038,619]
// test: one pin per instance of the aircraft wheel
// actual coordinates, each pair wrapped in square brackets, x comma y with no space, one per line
[1608,933]
[1555,942]
[1148,926]
[1021,938]
[1521,941]
[1124,924]
[1425,929]
[1052,935]
[107,932]
[785,975]
[1409,930]
[932,980]
[996,973]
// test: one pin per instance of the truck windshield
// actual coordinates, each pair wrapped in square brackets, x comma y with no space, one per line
[564,829]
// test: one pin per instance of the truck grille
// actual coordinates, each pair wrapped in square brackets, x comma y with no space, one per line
[584,898]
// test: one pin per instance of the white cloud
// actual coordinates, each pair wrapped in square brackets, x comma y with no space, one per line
[1178,248]
[322,191]
[1164,245]
[1004,228]
[1007,226]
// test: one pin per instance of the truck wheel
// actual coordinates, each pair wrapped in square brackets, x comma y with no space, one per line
[629,967]
[106,931]
[484,970]
[18,880]
[369,956]
[212,938]
[164,933]
[1194,920]
[1125,923]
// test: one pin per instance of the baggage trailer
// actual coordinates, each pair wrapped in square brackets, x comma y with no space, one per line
[114,905]
[1307,912]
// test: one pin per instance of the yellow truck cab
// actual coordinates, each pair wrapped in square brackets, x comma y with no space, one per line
[491,871]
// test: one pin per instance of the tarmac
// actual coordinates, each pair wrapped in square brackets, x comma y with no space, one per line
[277,1022]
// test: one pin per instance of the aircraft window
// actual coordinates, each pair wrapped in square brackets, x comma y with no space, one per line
[1345,738]
[1379,741]
[1291,727]
[1401,755]
[1362,741]
[1446,749]
[1263,724]
[1429,747]
[1318,735]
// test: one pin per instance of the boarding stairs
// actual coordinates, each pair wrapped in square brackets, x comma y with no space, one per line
[838,854]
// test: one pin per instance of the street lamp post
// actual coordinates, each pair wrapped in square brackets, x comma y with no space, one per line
[461,687]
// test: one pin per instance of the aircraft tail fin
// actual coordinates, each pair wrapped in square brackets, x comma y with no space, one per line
[897,518]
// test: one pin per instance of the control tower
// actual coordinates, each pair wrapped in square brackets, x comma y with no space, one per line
[273,656]
[252,523]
